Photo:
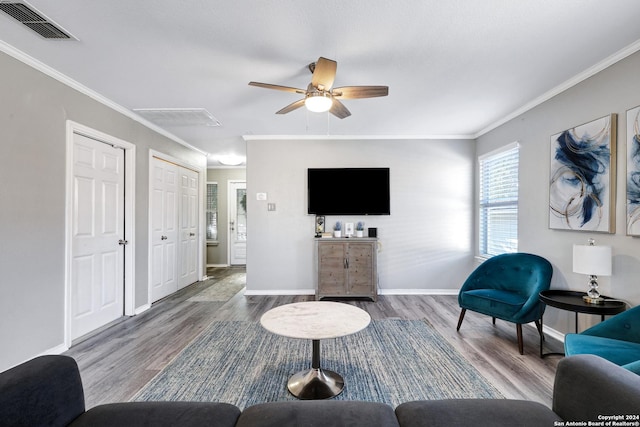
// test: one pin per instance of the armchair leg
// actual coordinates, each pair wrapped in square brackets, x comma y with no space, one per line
[520,343]
[539,326]
[464,310]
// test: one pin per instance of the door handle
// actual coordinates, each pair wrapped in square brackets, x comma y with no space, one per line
[123,242]
[192,234]
[163,238]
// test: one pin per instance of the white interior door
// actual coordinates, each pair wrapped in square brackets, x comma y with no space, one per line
[97,236]
[238,223]
[188,227]
[164,229]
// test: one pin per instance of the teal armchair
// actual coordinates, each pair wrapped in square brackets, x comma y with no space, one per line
[507,287]
[617,339]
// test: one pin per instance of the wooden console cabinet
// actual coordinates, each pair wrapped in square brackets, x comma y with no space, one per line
[347,268]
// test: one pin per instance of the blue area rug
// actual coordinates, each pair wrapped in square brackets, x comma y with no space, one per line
[391,361]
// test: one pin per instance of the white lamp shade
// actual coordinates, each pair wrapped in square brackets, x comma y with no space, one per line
[592,260]
[318,102]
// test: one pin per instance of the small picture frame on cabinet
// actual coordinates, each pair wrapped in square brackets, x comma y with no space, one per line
[348,229]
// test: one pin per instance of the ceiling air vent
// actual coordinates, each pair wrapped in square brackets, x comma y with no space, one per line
[28,16]
[178,116]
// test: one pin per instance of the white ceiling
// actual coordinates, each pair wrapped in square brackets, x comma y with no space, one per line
[454,68]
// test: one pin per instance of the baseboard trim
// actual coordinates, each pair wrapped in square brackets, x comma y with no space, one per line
[59,349]
[418,291]
[141,309]
[551,332]
[275,292]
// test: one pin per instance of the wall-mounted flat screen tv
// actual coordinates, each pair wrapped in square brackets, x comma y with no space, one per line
[348,191]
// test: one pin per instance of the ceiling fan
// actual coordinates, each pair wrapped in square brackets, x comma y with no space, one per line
[320,97]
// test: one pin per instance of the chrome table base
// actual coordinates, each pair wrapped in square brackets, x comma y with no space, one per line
[315,384]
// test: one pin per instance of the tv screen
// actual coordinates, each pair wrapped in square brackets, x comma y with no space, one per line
[348,191]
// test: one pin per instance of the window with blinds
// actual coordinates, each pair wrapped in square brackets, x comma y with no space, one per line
[212,211]
[499,202]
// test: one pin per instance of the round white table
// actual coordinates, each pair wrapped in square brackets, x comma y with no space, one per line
[315,320]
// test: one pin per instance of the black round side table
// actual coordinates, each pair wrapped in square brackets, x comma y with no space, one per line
[572,301]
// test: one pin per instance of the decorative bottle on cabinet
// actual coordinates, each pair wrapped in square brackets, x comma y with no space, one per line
[347,268]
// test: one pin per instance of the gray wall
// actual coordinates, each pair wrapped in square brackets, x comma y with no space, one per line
[614,90]
[218,255]
[426,241]
[33,115]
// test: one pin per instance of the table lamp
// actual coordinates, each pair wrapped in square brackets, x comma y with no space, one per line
[594,261]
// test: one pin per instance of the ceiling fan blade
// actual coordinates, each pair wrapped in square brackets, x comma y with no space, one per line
[293,106]
[339,110]
[355,92]
[324,73]
[278,87]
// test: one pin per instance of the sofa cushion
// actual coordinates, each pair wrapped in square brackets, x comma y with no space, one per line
[475,413]
[616,351]
[318,413]
[160,414]
[493,302]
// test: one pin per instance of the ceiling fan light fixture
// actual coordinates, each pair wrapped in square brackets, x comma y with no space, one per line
[318,102]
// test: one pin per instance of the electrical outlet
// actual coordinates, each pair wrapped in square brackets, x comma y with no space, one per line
[271,207]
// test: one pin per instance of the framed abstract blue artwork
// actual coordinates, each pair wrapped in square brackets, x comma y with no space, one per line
[582,177]
[633,172]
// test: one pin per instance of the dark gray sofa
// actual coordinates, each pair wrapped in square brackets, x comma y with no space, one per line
[47,391]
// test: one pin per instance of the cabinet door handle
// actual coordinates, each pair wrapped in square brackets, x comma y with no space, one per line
[346,263]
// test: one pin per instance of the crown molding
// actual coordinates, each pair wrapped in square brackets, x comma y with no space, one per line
[600,66]
[578,78]
[349,137]
[68,81]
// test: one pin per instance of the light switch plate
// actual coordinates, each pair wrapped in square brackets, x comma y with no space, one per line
[261,196]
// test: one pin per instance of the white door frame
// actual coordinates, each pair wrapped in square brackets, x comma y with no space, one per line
[129,218]
[202,175]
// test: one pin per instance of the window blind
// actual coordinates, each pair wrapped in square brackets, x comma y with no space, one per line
[498,216]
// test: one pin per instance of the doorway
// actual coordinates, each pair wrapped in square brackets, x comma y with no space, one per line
[188,229]
[99,230]
[164,228]
[238,222]
[174,221]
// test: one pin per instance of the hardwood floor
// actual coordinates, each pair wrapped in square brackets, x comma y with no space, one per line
[120,360]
